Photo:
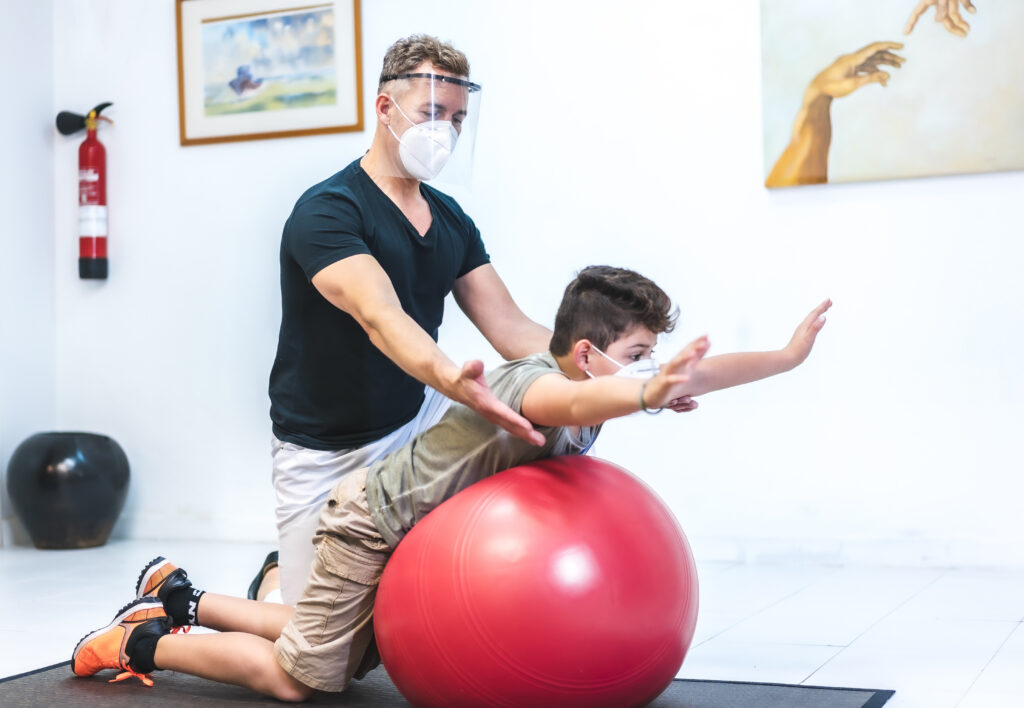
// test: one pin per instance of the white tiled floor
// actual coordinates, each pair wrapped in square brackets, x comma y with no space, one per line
[937,637]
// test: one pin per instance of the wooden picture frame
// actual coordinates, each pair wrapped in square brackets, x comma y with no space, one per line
[260,69]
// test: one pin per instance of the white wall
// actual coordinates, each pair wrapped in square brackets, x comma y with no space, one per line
[27,361]
[610,133]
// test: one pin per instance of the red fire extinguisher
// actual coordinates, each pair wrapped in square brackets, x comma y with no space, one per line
[92,191]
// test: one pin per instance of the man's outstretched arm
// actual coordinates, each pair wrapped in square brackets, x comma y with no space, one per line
[360,287]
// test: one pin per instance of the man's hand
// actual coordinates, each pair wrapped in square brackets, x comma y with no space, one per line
[668,388]
[851,71]
[803,339]
[470,388]
[947,13]
[683,404]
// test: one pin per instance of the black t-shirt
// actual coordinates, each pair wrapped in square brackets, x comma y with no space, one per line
[331,388]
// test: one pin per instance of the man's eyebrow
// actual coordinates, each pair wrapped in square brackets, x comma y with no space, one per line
[439,108]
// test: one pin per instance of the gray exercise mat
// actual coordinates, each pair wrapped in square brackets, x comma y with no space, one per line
[55,685]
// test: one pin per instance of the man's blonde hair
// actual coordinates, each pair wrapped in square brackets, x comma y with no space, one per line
[406,54]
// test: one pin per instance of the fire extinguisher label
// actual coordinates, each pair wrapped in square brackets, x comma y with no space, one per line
[89,186]
[92,221]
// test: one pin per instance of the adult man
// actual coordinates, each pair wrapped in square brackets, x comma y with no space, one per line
[367,258]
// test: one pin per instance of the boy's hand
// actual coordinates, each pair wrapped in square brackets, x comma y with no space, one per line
[667,388]
[803,339]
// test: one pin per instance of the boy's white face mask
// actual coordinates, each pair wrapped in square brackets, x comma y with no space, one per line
[640,369]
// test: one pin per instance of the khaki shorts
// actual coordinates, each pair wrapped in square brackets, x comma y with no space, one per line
[330,638]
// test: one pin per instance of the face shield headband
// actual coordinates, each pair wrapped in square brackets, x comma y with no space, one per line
[438,112]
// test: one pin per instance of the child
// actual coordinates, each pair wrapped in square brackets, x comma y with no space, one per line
[599,367]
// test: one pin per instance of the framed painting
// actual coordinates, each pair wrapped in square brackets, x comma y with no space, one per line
[258,69]
[860,90]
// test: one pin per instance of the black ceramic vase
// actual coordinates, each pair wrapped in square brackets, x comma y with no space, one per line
[68,488]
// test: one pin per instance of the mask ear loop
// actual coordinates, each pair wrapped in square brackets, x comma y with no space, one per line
[607,357]
[392,130]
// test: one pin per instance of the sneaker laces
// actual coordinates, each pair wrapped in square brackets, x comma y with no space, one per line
[128,673]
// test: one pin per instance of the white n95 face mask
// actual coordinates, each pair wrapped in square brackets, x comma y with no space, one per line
[639,369]
[425,147]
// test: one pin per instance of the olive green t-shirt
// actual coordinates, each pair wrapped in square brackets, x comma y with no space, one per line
[461,449]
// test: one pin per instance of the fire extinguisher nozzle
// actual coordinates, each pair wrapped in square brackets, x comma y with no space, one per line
[69,123]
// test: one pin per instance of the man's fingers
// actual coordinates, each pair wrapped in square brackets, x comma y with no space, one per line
[872,63]
[921,8]
[854,83]
[516,425]
[956,24]
[682,405]
[969,6]
[861,54]
[480,398]
[890,59]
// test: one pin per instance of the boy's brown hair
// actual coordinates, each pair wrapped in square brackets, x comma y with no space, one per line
[602,303]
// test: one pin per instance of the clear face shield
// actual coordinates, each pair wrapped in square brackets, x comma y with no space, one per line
[434,122]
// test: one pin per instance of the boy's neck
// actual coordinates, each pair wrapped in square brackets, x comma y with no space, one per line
[569,368]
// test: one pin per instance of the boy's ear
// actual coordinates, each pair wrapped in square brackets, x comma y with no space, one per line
[582,350]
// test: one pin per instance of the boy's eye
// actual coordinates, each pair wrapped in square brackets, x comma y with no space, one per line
[635,357]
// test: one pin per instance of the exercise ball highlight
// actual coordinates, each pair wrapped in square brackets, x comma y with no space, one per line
[563,583]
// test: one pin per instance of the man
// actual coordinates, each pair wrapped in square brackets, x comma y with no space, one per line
[367,258]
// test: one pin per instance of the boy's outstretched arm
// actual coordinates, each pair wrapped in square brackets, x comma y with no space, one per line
[555,400]
[726,370]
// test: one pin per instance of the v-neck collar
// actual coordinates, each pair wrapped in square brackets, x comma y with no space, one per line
[426,236]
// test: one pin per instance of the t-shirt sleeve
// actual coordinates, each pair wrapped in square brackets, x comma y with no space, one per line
[509,382]
[324,230]
[476,255]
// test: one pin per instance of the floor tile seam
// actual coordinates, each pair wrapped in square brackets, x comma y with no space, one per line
[875,624]
[807,678]
[988,663]
[764,609]
[769,606]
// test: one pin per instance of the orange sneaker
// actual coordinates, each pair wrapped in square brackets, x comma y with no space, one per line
[158,579]
[111,647]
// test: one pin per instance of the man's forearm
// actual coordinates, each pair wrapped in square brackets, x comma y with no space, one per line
[404,342]
[526,339]
[805,159]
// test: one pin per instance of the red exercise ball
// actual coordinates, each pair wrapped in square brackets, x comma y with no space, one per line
[561,583]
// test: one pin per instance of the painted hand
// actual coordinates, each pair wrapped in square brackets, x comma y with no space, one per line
[851,71]
[947,13]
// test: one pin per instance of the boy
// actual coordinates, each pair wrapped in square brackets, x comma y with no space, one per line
[599,367]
